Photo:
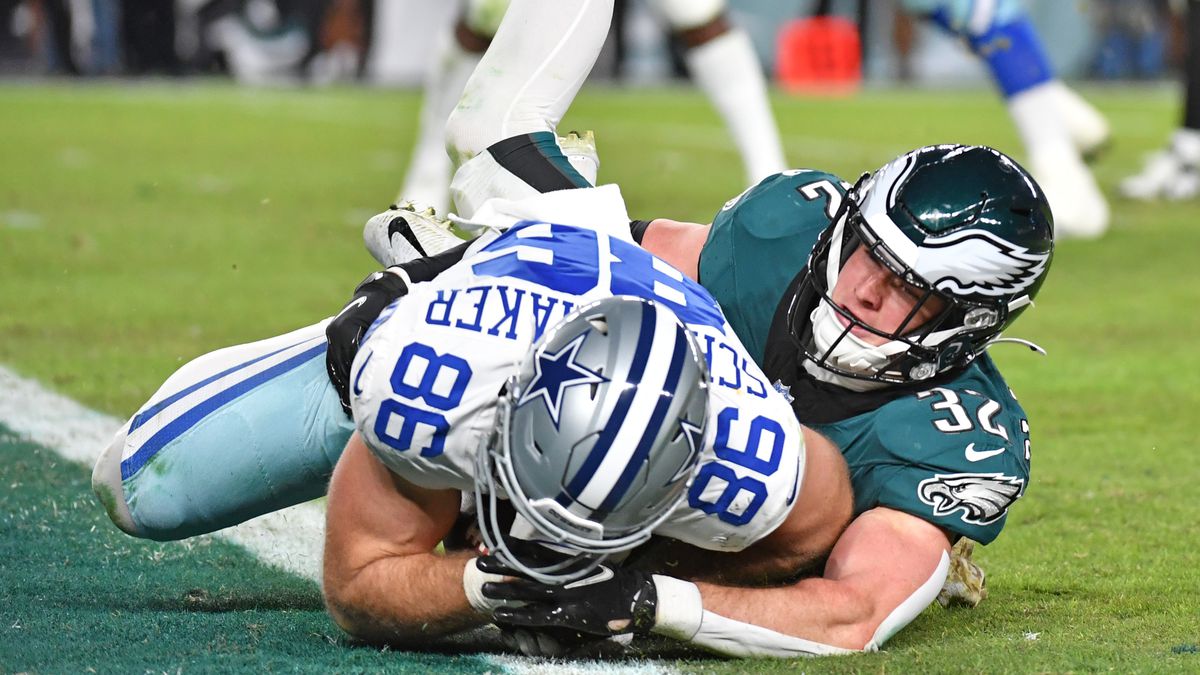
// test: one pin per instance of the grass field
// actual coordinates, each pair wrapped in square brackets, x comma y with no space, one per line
[141,226]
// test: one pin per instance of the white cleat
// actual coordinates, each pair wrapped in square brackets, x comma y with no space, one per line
[1080,210]
[1166,175]
[407,232]
[580,150]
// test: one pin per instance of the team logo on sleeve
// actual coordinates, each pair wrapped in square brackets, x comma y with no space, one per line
[983,497]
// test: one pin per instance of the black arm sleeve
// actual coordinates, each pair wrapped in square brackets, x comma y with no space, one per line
[638,228]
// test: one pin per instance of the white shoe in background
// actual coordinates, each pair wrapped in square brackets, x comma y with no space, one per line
[1172,173]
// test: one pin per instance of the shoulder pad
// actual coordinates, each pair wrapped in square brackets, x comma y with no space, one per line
[787,202]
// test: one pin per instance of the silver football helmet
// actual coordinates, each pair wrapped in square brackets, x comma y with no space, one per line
[598,436]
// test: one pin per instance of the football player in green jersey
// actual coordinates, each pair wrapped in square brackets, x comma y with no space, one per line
[871,307]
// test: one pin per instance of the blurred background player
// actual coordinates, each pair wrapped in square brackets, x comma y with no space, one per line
[1174,172]
[1056,125]
[719,56]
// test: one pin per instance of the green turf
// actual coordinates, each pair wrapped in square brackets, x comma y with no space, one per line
[142,226]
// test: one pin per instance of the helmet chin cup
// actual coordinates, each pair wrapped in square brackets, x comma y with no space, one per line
[559,563]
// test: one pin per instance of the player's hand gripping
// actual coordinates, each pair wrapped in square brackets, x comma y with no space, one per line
[345,332]
[609,601]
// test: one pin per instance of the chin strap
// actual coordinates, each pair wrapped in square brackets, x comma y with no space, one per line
[1019,341]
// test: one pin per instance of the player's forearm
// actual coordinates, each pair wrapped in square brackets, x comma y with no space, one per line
[813,617]
[818,610]
[405,599]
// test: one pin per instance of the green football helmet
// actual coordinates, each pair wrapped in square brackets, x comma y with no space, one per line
[964,224]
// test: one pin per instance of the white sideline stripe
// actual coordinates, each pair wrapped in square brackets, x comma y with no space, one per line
[290,539]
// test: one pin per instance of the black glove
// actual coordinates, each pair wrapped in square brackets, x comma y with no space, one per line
[345,332]
[609,601]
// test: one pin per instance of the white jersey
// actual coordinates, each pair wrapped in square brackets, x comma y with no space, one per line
[427,379]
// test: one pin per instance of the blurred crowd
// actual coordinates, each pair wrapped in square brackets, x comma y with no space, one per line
[303,38]
[322,41]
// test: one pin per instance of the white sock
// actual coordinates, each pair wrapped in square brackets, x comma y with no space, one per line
[428,177]
[1084,125]
[1036,117]
[530,74]
[728,71]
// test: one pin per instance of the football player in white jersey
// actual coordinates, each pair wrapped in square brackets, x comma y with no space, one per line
[549,367]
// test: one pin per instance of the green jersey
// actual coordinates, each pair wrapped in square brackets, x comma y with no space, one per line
[953,451]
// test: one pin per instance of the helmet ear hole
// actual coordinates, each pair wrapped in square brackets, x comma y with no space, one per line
[599,323]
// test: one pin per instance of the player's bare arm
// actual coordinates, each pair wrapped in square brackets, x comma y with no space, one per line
[676,242]
[885,569]
[383,580]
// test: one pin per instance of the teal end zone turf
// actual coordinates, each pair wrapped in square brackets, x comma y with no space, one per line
[77,595]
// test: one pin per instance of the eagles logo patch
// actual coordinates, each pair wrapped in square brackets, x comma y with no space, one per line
[982,497]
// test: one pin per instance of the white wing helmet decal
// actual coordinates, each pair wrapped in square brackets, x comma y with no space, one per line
[977,262]
[964,262]
[983,497]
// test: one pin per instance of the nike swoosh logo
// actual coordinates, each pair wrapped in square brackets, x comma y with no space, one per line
[357,389]
[601,575]
[401,227]
[353,304]
[795,488]
[974,455]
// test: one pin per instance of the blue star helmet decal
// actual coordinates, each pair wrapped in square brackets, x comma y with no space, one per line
[555,372]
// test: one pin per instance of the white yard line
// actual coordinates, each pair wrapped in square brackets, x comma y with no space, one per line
[289,539]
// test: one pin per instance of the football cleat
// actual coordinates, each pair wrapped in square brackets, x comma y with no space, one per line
[966,582]
[1080,210]
[580,149]
[407,232]
[1166,175]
